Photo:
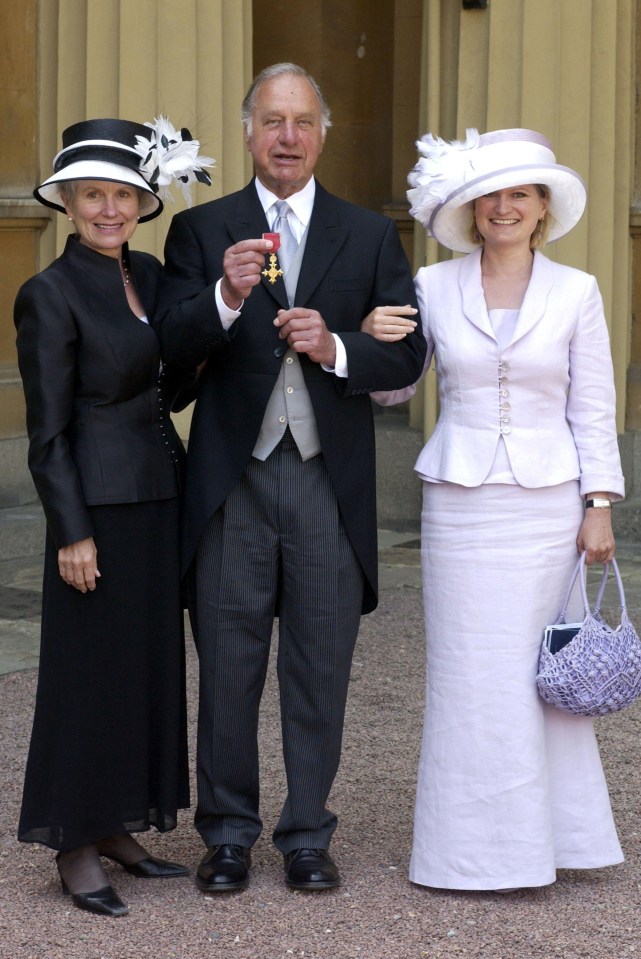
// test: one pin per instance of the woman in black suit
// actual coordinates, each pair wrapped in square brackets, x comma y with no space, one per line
[108,753]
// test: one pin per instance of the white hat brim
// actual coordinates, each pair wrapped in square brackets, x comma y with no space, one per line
[49,191]
[451,221]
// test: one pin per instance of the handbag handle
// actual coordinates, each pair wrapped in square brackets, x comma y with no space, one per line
[580,568]
[604,578]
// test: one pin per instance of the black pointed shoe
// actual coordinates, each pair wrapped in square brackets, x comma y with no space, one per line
[104,902]
[151,868]
[224,869]
[311,869]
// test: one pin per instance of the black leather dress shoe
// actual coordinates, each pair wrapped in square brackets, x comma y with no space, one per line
[224,869]
[151,868]
[104,902]
[311,869]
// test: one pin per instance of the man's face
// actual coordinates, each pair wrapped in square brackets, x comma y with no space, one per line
[287,136]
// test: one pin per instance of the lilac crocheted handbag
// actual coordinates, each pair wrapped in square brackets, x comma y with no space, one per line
[599,670]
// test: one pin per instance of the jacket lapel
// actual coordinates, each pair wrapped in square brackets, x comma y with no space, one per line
[536,296]
[472,295]
[534,302]
[102,274]
[325,238]
[250,222]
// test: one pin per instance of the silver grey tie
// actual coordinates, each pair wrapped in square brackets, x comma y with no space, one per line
[288,242]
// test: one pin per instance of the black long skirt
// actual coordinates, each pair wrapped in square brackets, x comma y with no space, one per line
[108,750]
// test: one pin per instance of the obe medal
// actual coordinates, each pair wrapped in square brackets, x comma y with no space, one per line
[273,272]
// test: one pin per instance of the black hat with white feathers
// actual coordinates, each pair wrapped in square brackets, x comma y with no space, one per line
[148,156]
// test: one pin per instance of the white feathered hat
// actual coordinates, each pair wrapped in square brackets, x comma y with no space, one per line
[449,176]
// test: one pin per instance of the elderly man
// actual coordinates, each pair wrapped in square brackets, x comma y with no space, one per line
[280,511]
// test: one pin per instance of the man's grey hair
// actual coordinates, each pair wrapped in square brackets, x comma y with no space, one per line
[281,70]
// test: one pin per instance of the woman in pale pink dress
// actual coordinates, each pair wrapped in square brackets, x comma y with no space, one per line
[519,473]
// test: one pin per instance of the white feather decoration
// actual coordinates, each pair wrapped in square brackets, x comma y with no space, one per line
[171,154]
[441,167]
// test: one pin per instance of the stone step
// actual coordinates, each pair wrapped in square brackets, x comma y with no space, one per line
[398,488]
[22,531]
[626,520]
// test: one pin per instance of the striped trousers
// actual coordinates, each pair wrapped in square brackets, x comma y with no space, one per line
[277,547]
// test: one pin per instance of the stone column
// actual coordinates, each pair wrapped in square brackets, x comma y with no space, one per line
[21,220]
[189,60]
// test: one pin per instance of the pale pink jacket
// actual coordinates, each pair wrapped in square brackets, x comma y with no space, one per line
[549,393]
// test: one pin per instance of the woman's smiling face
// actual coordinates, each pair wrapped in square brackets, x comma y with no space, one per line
[510,216]
[105,214]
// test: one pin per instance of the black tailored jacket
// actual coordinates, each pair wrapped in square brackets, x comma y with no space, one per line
[97,405]
[353,262]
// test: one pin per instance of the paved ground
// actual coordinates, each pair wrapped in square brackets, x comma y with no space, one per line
[377,913]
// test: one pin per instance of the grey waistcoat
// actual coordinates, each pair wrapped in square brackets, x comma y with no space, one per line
[289,404]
